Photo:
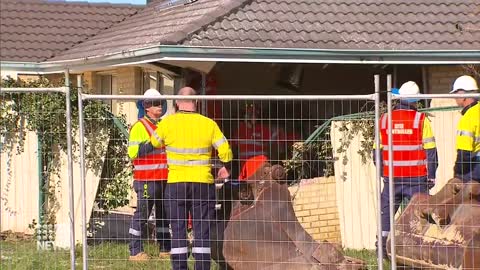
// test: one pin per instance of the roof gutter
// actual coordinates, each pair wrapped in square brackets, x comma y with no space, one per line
[256,55]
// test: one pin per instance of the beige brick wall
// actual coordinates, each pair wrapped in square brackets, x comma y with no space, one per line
[440,78]
[316,208]
[129,80]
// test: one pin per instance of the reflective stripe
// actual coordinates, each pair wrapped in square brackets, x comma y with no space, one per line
[182,250]
[157,151]
[204,150]
[385,233]
[201,250]
[468,134]
[384,121]
[163,230]
[219,142]
[150,130]
[428,140]
[404,147]
[252,143]
[416,122]
[405,163]
[250,154]
[147,125]
[188,162]
[134,232]
[465,133]
[134,143]
[274,135]
[150,167]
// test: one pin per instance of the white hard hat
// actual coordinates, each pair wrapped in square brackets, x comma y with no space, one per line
[409,88]
[465,83]
[152,93]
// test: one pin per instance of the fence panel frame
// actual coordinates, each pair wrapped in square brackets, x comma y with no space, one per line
[68,116]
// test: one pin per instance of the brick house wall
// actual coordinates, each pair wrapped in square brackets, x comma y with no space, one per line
[441,78]
[316,208]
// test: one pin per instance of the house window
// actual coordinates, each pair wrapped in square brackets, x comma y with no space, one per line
[152,79]
[105,86]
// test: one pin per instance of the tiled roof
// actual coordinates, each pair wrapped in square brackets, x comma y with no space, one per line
[154,25]
[348,24]
[35,30]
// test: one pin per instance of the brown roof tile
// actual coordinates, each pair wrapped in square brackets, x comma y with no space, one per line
[35,30]
[154,25]
[348,24]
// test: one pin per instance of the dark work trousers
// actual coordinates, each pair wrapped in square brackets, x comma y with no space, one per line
[149,194]
[198,200]
[405,188]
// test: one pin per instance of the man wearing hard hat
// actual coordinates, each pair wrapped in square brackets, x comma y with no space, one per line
[150,177]
[467,165]
[415,158]
[253,137]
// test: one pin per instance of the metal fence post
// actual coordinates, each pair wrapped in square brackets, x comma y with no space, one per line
[71,216]
[82,179]
[378,172]
[391,186]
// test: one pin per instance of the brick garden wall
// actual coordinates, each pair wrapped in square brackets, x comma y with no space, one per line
[316,208]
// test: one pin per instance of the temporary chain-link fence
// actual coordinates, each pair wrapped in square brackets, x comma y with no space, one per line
[303,189]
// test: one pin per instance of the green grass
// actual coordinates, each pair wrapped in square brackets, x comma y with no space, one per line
[23,254]
[368,256]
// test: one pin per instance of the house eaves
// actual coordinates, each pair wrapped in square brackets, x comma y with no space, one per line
[165,53]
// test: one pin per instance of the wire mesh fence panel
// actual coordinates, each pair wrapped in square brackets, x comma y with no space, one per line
[435,174]
[35,222]
[300,191]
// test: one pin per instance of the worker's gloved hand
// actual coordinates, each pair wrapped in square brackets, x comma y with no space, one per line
[431,183]
[223,173]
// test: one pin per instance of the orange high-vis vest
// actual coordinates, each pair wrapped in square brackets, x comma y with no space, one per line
[153,166]
[409,157]
[252,141]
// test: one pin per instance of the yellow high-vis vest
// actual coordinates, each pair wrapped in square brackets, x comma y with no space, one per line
[189,139]
[468,131]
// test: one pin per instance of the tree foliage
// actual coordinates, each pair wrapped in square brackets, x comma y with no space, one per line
[45,115]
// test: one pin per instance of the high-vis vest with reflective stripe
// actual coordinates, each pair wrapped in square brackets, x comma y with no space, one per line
[409,157]
[252,141]
[153,166]
[189,139]
[468,136]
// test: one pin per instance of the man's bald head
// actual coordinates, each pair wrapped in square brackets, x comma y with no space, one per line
[187,91]
[186,104]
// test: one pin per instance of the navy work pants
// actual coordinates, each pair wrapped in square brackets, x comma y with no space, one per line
[198,199]
[149,194]
[404,188]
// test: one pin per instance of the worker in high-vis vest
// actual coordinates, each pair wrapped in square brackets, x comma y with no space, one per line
[415,158]
[189,138]
[253,137]
[150,177]
[467,165]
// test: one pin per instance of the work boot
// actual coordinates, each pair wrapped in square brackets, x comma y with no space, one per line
[140,257]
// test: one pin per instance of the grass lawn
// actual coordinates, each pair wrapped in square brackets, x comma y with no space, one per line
[23,254]
[369,257]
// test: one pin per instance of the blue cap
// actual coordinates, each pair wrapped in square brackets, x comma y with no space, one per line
[396,92]
[141,109]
